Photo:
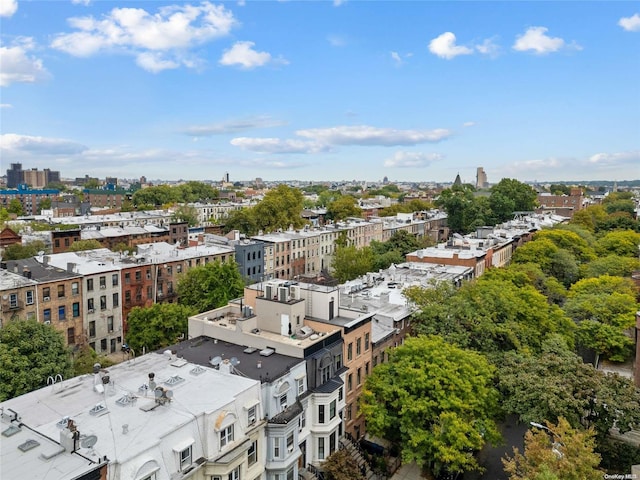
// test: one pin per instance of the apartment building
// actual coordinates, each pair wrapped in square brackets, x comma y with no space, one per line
[18,294]
[29,198]
[153,417]
[58,296]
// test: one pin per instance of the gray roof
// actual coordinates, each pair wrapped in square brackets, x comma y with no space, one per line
[39,272]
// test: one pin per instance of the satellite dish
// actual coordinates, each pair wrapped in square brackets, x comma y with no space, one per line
[89,441]
[169,393]
[234,361]
[216,361]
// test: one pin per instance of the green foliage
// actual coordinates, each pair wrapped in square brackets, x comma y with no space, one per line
[618,221]
[85,358]
[242,220]
[155,196]
[350,262]
[192,192]
[589,217]
[624,243]
[280,208]
[343,207]
[569,241]
[610,265]
[210,286]
[614,206]
[559,189]
[459,203]
[558,452]
[557,383]
[30,352]
[523,196]
[618,457]
[341,466]
[92,184]
[44,204]
[435,401]
[157,326]
[185,213]
[4,215]
[18,251]
[15,207]
[82,245]
[405,207]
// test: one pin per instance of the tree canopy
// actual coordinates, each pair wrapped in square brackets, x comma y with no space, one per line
[81,245]
[157,326]
[18,251]
[343,207]
[280,208]
[435,401]
[210,286]
[30,352]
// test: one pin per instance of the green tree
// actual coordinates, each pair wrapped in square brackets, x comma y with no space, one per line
[350,262]
[155,196]
[435,401]
[459,203]
[30,352]
[15,207]
[624,243]
[210,286]
[192,192]
[18,251]
[343,207]
[243,220]
[589,217]
[557,452]
[340,466]
[92,184]
[157,326]
[513,196]
[44,204]
[610,265]
[559,189]
[82,245]
[569,241]
[185,213]
[280,208]
[85,358]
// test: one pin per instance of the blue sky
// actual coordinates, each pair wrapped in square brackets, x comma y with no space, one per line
[332,90]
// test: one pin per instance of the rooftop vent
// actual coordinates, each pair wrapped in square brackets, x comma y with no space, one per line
[127,399]
[28,445]
[12,430]
[98,409]
[250,350]
[63,422]
[197,370]
[267,352]
[176,379]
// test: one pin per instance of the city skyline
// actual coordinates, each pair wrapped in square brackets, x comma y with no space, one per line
[412,91]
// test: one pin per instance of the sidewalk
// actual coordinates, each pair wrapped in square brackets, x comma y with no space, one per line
[410,471]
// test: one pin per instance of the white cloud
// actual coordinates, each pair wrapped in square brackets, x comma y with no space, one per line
[233,126]
[336,40]
[277,145]
[367,135]
[630,24]
[8,7]
[404,159]
[536,40]
[399,58]
[468,124]
[18,66]
[337,3]
[243,55]
[154,62]
[6,105]
[172,30]
[444,46]
[488,47]
[86,3]
[12,143]
[615,159]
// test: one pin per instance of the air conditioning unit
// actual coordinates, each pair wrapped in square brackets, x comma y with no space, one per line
[91,310]
[252,420]
[47,322]
[46,299]
[102,287]
[290,449]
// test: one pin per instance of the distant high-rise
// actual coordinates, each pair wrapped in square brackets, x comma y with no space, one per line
[457,181]
[14,175]
[481,178]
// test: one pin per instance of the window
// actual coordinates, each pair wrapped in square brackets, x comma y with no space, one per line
[252,453]
[46,293]
[251,415]
[348,412]
[127,296]
[114,280]
[235,474]
[283,401]
[71,336]
[375,360]
[290,442]
[332,442]
[127,278]
[332,409]
[276,447]
[89,284]
[103,302]
[358,346]
[325,373]
[350,351]
[302,421]
[300,385]
[103,282]
[169,270]
[62,313]
[290,473]
[320,413]
[90,305]
[47,315]
[366,369]
[321,448]
[226,436]
[92,329]
[110,323]
[340,394]
[178,268]
[350,382]
[366,341]
[359,376]
[103,344]
[185,458]
[148,273]
[28,297]
[138,275]
[60,291]
[115,299]
[338,361]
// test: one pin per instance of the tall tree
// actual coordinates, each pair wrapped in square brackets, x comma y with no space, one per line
[280,208]
[341,466]
[459,203]
[343,207]
[350,262]
[523,196]
[30,352]
[15,207]
[625,243]
[185,213]
[556,452]
[210,286]
[82,245]
[18,251]
[157,326]
[435,401]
